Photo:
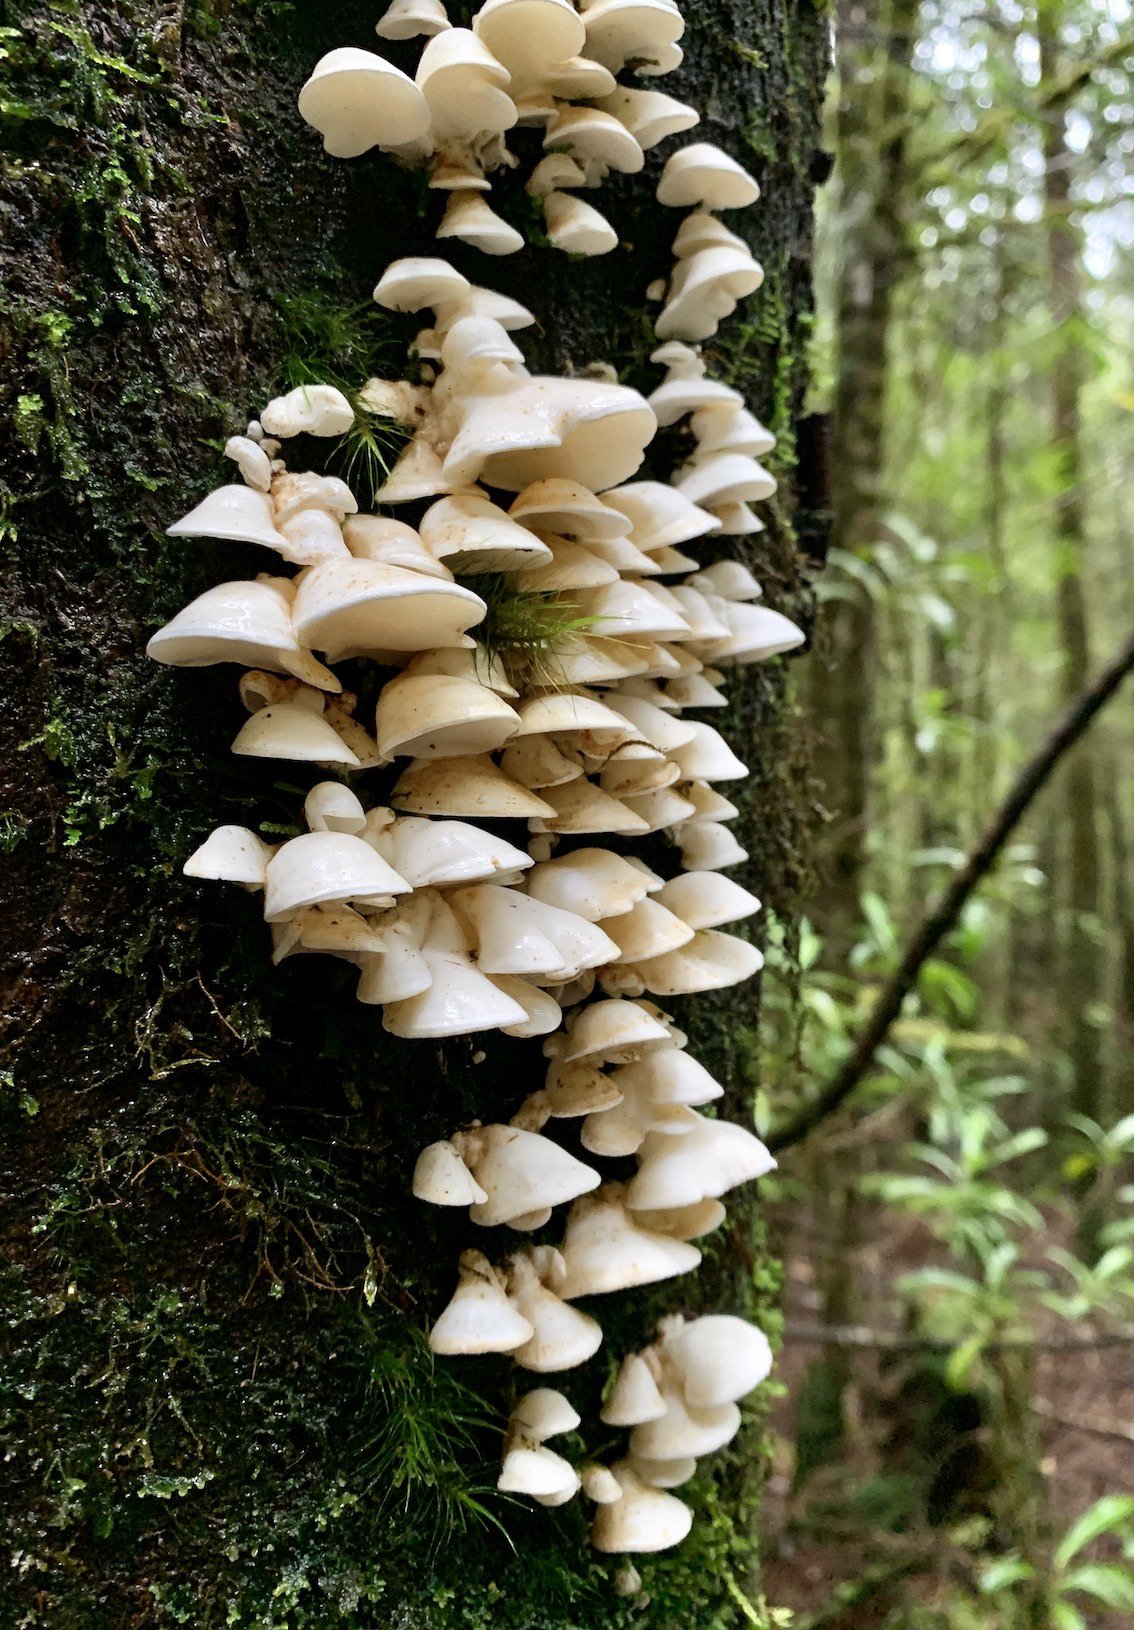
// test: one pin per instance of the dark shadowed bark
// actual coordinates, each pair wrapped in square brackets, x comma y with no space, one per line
[218,1408]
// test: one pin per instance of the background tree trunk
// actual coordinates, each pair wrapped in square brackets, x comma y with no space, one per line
[1084,977]
[218,1405]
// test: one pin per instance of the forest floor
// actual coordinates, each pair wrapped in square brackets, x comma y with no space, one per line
[857,1530]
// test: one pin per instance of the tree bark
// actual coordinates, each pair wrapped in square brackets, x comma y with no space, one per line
[217,1404]
[872,126]
[1083,955]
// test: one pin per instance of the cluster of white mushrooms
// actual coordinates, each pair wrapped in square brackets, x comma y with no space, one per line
[454,929]
[543,64]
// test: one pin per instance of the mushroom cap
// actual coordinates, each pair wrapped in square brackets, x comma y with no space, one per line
[668,1076]
[683,1432]
[516,934]
[660,808]
[708,846]
[471,786]
[294,492]
[708,757]
[685,1222]
[652,723]
[591,135]
[725,478]
[440,716]
[592,883]
[694,690]
[542,1012]
[581,807]
[391,543]
[629,610]
[705,900]
[315,410]
[571,567]
[576,1089]
[605,1251]
[701,176]
[649,930]
[649,116]
[441,1177]
[326,866]
[577,227]
[644,32]
[409,19]
[729,578]
[591,659]
[703,231]
[536,762]
[683,393]
[544,1413]
[470,533]
[246,622]
[644,1519]
[708,961]
[289,730]
[580,79]
[479,1317]
[634,1398]
[564,1337]
[709,804]
[358,607]
[418,282]
[600,1485]
[520,1172]
[357,100]
[468,217]
[613,1031]
[231,854]
[721,1358]
[236,512]
[570,713]
[251,460]
[537,1471]
[530,37]
[568,509]
[706,288]
[331,807]
[665,1474]
[460,1001]
[756,632]
[584,430]
[718,428]
[702,1163]
[436,854]
[659,514]
[462,54]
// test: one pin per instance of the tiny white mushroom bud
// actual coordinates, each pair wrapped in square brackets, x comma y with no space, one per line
[251,460]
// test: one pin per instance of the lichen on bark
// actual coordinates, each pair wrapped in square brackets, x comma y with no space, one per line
[217,1407]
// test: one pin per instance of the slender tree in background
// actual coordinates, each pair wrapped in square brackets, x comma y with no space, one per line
[872,129]
[1084,963]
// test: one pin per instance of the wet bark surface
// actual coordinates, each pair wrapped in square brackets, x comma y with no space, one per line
[217,1406]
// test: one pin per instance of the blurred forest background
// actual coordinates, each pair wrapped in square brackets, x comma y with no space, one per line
[954,1443]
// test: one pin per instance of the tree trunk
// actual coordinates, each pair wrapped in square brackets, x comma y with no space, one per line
[873,69]
[1083,983]
[873,66]
[218,1405]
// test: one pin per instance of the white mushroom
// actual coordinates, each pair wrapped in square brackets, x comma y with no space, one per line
[605,1250]
[357,100]
[643,1519]
[479,1318]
